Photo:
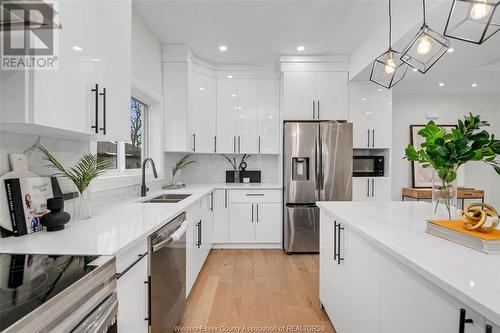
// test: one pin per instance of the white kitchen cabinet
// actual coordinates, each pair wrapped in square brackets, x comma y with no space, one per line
[247,116]
[345,292]
[241,223]
[316,96]
[420,306]
[371,188]
[132,286]
[371,115]
[61,102]
[267,226]
[194,254]
[202,114]
[268,110]
[207,224]
[221,217]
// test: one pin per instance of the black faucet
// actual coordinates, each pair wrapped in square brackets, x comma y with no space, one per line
[144,189]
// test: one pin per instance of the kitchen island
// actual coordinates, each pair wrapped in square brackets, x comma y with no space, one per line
[381,272]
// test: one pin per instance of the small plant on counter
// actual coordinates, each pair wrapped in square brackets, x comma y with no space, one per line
[237,167]
[82,174]
[446,152]
[182,163]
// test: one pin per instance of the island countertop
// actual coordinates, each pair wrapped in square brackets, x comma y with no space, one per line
[117,223]
[398,228]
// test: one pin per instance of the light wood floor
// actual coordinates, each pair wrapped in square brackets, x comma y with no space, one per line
[267,289]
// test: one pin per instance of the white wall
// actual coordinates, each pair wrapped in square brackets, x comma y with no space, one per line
[211,168]
[411,109]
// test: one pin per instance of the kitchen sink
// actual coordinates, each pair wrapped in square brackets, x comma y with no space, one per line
[167,198]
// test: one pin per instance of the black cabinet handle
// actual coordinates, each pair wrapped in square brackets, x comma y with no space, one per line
[463,321]
[373,138]
[373,187]
[252,213]
[255,194]
[239,144]
[257,213]
[215,144]
[194,142]
[314,109]
[259,144]
[318,108]
[103,94]
[149,302]
[335,241]
[96,107]
[488,329]
[368,136]
[339,258]
[225,198]
[212,201]
[368,188]
[140,256]
[198,242]
[234,144]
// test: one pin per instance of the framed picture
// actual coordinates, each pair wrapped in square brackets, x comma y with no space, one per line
[422,177]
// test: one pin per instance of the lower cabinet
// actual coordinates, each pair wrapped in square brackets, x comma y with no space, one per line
[133,290]
[371,188]
[359,280]
[221,217]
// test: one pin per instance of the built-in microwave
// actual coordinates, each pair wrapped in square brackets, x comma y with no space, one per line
[368,166]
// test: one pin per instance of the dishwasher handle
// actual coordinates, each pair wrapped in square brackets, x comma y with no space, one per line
[174,237]
[103,317]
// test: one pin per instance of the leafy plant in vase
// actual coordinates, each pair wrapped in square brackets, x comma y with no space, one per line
[82,174]
[446,152]
[237,167]
[182,163]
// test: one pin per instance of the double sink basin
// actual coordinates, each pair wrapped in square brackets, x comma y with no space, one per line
[167,198]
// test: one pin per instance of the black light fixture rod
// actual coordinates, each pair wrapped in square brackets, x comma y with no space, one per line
[423,10]
[390,25]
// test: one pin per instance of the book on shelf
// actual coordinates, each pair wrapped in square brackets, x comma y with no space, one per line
[487,242]
[27,202]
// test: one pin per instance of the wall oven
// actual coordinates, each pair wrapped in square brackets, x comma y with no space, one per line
[368,166]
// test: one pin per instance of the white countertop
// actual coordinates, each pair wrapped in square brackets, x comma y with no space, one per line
[115,226]
[398,228]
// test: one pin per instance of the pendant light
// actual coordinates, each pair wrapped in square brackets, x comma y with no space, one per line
[426,48]
[388,69]
[473,21]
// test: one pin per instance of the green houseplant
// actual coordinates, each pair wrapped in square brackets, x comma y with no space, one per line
[82,174]
[180,164]
[446,152]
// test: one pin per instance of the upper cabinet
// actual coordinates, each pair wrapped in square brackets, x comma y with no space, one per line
[316,95]
[248,116]
[371,115]
[88,96]
[202,113]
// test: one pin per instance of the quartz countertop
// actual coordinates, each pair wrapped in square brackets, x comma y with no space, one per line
[116,225]
[398,228]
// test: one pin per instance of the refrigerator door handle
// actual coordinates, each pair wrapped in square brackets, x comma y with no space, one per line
[320,171]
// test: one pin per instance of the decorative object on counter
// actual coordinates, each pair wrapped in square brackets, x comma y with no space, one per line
[57,217]
[422,177]
[237,167]
[446,152]
[473,21]
[426,48]
[26,198]
[453,230]
[253,175]
[182,163]
[246,180]
[388,69]
[19,166]
[82,174]
[476,215]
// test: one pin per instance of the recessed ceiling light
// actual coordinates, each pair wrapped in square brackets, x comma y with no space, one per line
[450,50]
[415,70]
[301,48]
[441,84]
[364,99]
[96,59]
[379,89]
[474,85]
[77,48]
[233,95]
[201,88]
[229,76]
[222,48]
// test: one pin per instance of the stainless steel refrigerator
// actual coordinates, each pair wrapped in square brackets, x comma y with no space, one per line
[317,163]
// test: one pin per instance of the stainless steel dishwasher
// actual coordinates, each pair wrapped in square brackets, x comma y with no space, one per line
[167,275]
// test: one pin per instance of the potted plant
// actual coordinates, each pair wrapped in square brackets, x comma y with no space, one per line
[446,152]
[182,163]
[82,174]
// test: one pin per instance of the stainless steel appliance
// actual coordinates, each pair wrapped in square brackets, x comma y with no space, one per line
[317,167]
[167,275]
[368,166]
[50,293]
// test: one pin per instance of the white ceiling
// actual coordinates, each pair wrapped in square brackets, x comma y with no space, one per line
[259,31]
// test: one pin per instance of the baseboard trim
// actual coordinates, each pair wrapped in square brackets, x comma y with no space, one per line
[247,246]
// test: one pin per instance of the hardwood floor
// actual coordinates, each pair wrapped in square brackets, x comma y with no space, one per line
[262,289]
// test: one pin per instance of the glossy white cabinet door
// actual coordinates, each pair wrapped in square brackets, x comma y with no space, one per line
[381,117]
[192,251]
[361,189]
[332,95]
[133,299]
[221,226]
[268,116]
[327,278]
[202,118]
[247,99]
[267,223]
[207,225]
[360,113]
[381,188]
[227,103]
[241,223]
[116,63]
[299,95]
[62,98]
[410,303]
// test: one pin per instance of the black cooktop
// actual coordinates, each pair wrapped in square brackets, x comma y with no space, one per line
[28,281]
